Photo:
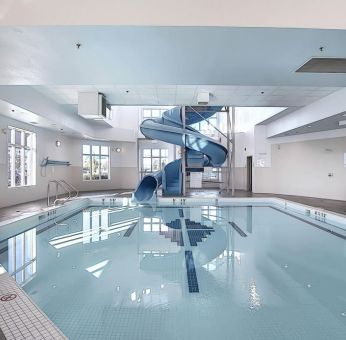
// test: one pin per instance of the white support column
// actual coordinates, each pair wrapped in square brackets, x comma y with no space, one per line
[233,150]
[228,150]
[183,150]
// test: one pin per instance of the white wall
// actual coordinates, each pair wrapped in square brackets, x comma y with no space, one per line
[301,168]
[123,166]
[45,147]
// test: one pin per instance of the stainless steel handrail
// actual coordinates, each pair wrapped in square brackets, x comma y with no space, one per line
[69,189]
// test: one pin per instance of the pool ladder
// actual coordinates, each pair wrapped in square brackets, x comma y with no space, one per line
[68,189]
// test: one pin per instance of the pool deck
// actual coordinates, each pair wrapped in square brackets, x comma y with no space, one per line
[326,204]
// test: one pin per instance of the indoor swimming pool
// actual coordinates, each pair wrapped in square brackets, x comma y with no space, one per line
[185,272]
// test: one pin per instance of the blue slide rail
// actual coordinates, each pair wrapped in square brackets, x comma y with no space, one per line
[200,150]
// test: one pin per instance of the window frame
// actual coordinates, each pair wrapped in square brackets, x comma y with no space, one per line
[99,154]
[151,157]
[12,146]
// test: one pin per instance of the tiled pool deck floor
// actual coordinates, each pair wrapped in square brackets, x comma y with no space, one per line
[20,318]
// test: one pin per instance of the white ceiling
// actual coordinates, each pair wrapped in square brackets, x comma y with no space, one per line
[287,96]
[250,13]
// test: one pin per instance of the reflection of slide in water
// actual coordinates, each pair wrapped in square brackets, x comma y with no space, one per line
[200,150]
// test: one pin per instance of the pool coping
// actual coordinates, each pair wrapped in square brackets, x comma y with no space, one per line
[20,317]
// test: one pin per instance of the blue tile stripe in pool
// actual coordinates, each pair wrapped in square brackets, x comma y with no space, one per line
[197,232]
[176,224]
[130,230]
[237,229]
[191,272]
[181,213]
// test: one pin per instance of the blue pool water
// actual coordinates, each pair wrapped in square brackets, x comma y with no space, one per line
[184,273]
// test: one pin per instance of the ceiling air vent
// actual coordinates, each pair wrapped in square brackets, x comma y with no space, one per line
[324,65]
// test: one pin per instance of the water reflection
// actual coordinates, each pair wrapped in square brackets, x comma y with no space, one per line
[22,261]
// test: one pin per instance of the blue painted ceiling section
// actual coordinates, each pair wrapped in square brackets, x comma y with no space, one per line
[166,55]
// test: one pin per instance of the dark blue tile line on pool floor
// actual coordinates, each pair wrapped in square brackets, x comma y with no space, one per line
[197,232]
[237,229]
[181,213]
[130,230]
[191,272]
[176,224]
[311,223]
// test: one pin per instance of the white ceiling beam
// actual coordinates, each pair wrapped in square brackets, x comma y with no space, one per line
[328,106]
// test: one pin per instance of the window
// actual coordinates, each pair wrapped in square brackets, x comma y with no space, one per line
[21,157]
[207,129]
[95,162]
[212,174]
[154,159]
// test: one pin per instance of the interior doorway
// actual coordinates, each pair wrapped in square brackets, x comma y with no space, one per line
[249,173]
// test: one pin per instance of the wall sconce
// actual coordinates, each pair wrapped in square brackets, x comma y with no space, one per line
[57,144]
[116,149]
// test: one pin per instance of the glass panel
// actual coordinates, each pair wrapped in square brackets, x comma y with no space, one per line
[146,113]
[95,167]
[18,137]
[104,150]
[155,113]
[147,164]
[164,162]
[86,149]
[27,139]
[104,167]
[26,166]
[9,168]
[13,133]
[86,167]
[95,150]
[147,153]
[155,164]
[164,152]
[18,166]
[155,152]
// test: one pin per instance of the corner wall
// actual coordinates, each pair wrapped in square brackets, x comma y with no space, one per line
[45,147]
[302,168]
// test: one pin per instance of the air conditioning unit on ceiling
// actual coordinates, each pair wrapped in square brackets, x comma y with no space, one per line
[93,105]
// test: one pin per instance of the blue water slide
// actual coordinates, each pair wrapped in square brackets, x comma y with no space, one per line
[200,150]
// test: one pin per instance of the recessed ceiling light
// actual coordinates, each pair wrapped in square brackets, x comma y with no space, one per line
[309,126]
[35,123]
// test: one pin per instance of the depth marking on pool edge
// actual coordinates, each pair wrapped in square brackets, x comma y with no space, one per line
[181,212]
[311,223]
[191,272]
[236,228]
[130,230]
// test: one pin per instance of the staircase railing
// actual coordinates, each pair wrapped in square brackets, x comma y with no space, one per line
[68,189]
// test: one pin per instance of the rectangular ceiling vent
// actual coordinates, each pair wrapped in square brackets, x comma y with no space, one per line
[324,65]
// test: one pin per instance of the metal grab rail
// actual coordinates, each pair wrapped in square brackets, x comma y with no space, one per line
[69,189]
